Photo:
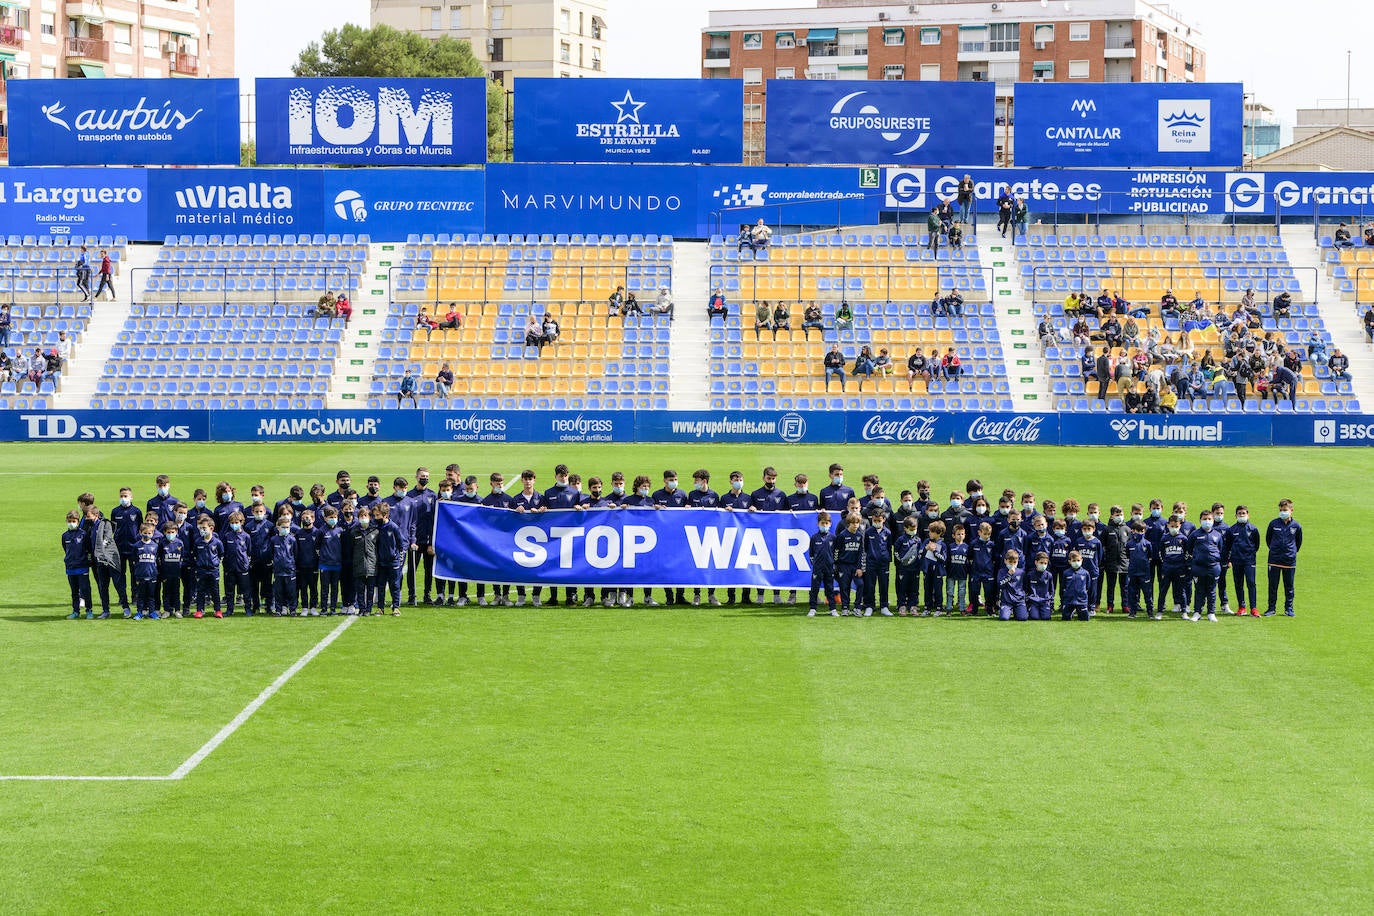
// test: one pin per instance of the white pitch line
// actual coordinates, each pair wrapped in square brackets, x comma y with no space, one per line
[220,737]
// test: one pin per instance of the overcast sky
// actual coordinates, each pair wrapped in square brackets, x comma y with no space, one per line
[1291,60]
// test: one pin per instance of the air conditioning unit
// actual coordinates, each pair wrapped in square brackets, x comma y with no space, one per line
[169,47]
[997,7]
[882,17]
[1040,46]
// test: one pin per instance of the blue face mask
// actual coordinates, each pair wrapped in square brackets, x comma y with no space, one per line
[1206,524]
[200,504]
[171,535]
[227,497]
[331,522]
[1285,514]
[235,526]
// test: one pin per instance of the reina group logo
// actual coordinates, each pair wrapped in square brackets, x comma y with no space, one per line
[741,195]
[792,427]
[1245,192]
[1185,125]
[895,129]
[349,206]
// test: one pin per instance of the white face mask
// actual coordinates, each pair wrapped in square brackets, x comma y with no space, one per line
[824,529]
[73,525]
[364,522]
[163,491]
[1041,567]
[125,501]
[1075,563]
[1242,519]
[670,485]
[737,485]
[643,491]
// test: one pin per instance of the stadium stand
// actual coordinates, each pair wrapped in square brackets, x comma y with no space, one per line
[497,283]
[229,323]
[889,282]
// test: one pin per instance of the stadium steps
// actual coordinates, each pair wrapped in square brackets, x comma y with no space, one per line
[688,358]
[1344,321]
[1026,374]
[107,320]
[353,375]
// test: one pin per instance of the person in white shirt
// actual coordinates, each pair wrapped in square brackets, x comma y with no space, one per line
[762,234]
[64,348]
[663,304]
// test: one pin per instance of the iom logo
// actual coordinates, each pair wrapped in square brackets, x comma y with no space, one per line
[1081,107]
[1185,125]
[897,130]
[351,119]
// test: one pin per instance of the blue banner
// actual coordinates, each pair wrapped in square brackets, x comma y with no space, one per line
[123,122]
[104,426]
[628,120]
[74,202]
[820,195]
[529,426]
[592,198]
[371,121]
[880,122]
[754,426]
[1324,430]
[1129,125]
[952,428]
[623,547]
[1157,429]
[317,426]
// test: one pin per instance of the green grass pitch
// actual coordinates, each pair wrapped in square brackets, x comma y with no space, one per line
[732,760]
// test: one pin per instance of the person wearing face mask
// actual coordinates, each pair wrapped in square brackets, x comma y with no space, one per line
[908,550]
[736,499]
[802,499]
[127,520]
[78,558]
[466,492]
[923,500]
[162,505]
[1139,574]
[905,509]
[364,540]
[934,563]
[348,524]
[445,591]
[200,505]
[1039,585]
[259,529]
[1115,558]
[850,557]
[974,489]
[171,561]
[373,495]
[1028,512]
[1073,525]
[497,498]
[1283,537]
[391,558]
[835,495]
[703,497]
[237,565]
[982,558]
[641,498]
[822,558]
[1076,587]
[330,545]
[1174,562]
[671,496]
[768,498]
[295,498]
[1240,550]
[1155,529]
[955,513]
[186,533]
[209,554]
[1219,525]
[308,564]
[597,498]
[283,546]
[1205,547]
[529,499]
[343,483]
[878,565]
[225,506]
[1011,595]
[1089,547]
[1039,540]
[562,495]
[420,554]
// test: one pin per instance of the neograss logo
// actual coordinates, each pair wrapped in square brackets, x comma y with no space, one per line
[895,129]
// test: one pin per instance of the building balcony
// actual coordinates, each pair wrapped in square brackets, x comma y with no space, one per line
[188,64]
[88,49]
[1118,78]
[1119,49]
[718,54]
[11,36]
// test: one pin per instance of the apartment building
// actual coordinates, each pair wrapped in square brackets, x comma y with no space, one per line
[1004,43]
[512,37]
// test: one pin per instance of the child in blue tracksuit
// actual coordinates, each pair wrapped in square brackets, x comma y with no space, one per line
[259,531]
[878,546]
[1205,548]
[1283,537]
[847,548]
[171,560]
[77,559]
[1011,596]
[1219,525]
[1140,564]
[1174,561]
[908,550]
[237,562]
[822,566]
[934,560]
[331,561]
[145,572]
[1240,549]
[1060,546]
[186,533]
[1077,586]
[956,570]
[209,553]
[983,568]
[308,564]
[1039,583]
[1091,550]
[391,559]
[283,549]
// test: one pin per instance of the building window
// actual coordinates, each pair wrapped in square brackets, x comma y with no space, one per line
[1078,69]
[894,38]
[930,73]
[753,41]
[973,39]
[1080,31]
[498,49]
[854,43]
[498,17]
[564,52]
[785,73]
[122,38]
[1044,34]
[47,23]
[930,36]
[596,58]
[1043,71]
[455,18]
[564,21]
[150,42]
[894,72]
[436,18]
[785,41]
[753,76]
[753,111]
[822,74]
[1004,36]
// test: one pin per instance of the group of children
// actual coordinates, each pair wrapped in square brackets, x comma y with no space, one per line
[347,553]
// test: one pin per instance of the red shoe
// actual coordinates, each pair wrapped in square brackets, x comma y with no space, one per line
[198,615]
[219,614]
[1254,612]
[1111,609]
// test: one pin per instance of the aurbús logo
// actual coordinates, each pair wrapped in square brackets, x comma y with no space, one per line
[1154,431]
[349,206]
[1024,429]
[382,125]
[895,129]
[230,205]
[140,122]
[296,427]
[1185,125]
[475,428]
[628,130]
[583,429]
[741,195]
[64,426]
[915,428]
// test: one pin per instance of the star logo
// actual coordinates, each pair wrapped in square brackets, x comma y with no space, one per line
[628,108]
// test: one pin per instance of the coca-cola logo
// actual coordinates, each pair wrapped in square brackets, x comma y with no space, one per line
[915,428]
[1023,429]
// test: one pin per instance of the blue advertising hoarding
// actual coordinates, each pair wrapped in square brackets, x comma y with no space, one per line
[1129,125]
[1157,429]
[628,120]
[371,121]
[926,428]
[880,122]
[123,122]
[317,426]
[104,426]
[753,426]
[525,197]
[822,196]
[74,202]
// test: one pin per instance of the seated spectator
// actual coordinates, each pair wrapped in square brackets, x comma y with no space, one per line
[551,328]
[616,302]
[1081,332]
[534,334]
[1369,235]
[916,368]
[716,306]
[63,348]
[1167,350]
[631,307]
[327,305]
[1045,332]
[663,304]
[761,235]
[1168,400]
[1105,303]
[844,317]
[782,320]
[1199,304]
[1140,362]
[956,236]
[443,381]
[950,367]
[1111,332]
[763,318]
[344,306]
[1369,323]
[1187,349]
[426,321]
[938,308]
[1088,364]
[882,364]
[1071,304]
[6,366]
[1168,305]
[834,365]
[812,317]
[1339,364]
[1316,347]
[453,319]
[1253,317]
[1342,239]
[954,304]
[863,365]
[407,390]
[1130,333]
[1283,304]
[945,210]
[1131,400]
[37,368]
[745,239]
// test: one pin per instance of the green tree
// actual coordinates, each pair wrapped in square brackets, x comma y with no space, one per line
[248,155]
[384,51]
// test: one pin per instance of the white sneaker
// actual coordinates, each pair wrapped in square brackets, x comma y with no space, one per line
[845,612]
[608,602]
[1195,617]
[714,601]
[519,602]
[624,599]
[1212,618]
[759,599]
[868,612]
[652,603]
[461,602]
[481,602]
[589,601]
[792,596]
[885,612]
[537,601]
[834,613]
[696,602]
[1158,616]
[811,612]
[1226,609]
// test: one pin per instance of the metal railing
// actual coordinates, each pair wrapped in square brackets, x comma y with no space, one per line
[1362,273]
[1166,276]
[89,48]
[526,289]
[64,274]
[337,278]
[844,272]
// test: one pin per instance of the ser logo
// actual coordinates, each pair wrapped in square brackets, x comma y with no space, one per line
[1245,192]
[792,427]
